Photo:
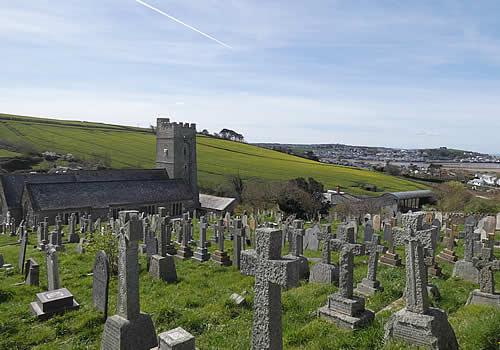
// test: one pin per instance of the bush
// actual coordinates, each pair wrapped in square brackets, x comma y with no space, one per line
[108,243]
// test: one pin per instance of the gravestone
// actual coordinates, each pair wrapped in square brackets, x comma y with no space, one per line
[272,272]
[73,236]
[22,252]
[376,223]
[53,302]
[238,241]
[325,271]
[176,339]
[498,222]
[419,324]
[344,308]
[201,253]
[163,268]
[465,268]
[31,273]
[165,244]
[390,257]
[370,285]
[368,232]
[129,329]
[486,267]
[220,256]
[448,253]
[311,238]
[297,233]
[53,281]
[100,282]
[55,240]
[185,252]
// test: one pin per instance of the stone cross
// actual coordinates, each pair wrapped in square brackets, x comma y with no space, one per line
[487,268]
[22,251]
[271,273]
[53,281]
[469,242]
[238,242]
[100,282]
[296,244]
[326,235]
[220,234]
[374,248]
[128,305]
[417,299]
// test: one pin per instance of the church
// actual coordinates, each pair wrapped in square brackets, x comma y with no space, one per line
[103,193]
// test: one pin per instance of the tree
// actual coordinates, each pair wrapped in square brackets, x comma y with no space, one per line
[229,134]
[303,198]
[238,185]
[453,196]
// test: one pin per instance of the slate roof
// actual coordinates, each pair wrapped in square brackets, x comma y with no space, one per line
[102,194]
[13,184]
[215,203]
[412,194]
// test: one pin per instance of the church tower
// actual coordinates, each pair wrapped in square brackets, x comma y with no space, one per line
[176,152]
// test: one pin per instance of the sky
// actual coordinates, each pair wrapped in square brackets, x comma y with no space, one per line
[392,73]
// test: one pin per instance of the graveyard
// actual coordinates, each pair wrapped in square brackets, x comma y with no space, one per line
[200,300]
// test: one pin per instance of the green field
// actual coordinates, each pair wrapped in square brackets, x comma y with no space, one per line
[8,154]
[128,147]
[199,303]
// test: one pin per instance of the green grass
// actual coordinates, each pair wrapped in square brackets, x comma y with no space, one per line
[129,147]
[199,303]
[8,154]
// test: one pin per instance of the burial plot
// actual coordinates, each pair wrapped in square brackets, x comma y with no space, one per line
[100,282]
[31,273]
[53,280]
[53,302]
[417,323]
[370,285]
[272,272]
[486,267]
[129,329]
[344,308]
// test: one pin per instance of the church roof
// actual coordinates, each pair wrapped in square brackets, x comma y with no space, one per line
[215,203]
[13,184]
[102,194]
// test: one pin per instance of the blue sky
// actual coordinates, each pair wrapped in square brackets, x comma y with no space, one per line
[388,73]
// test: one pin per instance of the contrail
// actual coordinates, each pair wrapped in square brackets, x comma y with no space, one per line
[184,24]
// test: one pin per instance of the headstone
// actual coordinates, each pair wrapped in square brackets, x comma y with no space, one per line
[325,271]
[55,239]
[390,257]
[238,242]
[165,244]
[311,238]
[163,268]
[201,253]
[297,252]
[465,268]
[185,252]
[31,273]
[486,267]
[368,233]
[271,273]
[418,323]
[176,339]
[80,247]
[53,281]
[100,282]
[498,222]
[53,302]
[73,236]
[22,252]
[129,328]
[448,253]
[1,261]
[370,285]
[376,223]
[344,308]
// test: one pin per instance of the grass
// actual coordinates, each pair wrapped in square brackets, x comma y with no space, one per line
[128,147]
[8,154]
[199,303]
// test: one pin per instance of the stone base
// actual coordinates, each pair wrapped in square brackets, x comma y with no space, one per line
[434,270]
[324,273]
[368,288]
[122,334]
[477,297]
[184,253]
[303,265]
[346,313]
[390,259]
[447,256]
[221,258]
[176,339]
[431,330]
[466,271]
[201,254]
[163,268]
[53,302]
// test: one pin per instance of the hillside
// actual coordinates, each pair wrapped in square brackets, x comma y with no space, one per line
[127,147]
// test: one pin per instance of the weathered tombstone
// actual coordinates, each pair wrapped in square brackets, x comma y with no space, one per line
[485,295]
[163,268]
[80,247]
[325,271]
[31,273]
[53,281]
[100,282]
[176,339]
[370,285]
[465,268]
[129,329]
[297,248]
[344,308]
[201,253]
[185,252]
[448,253]
[73,236]
[390,257]
[22,252]
[271,273]
[220,256]
[53,302]
[417,323]
[1,261]
[311,238]
[55,240]
[238,241]
[165,244]
[376,223]
[368,233]
[439,216]
[498,222]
